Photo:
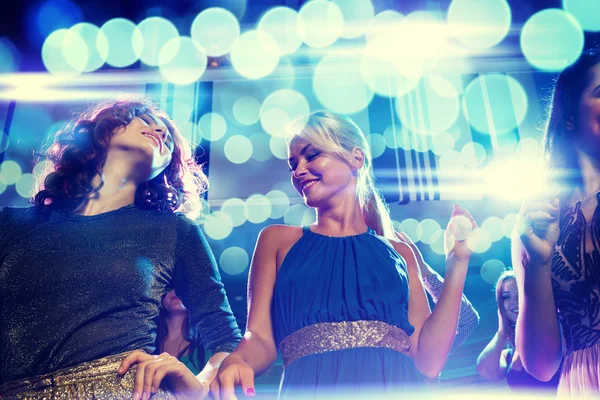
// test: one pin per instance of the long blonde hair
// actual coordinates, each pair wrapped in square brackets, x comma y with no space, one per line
[337,134]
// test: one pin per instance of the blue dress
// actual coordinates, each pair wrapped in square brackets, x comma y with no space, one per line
[335,279]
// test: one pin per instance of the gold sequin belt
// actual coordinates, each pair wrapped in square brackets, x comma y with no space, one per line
[95,379]
[330,336]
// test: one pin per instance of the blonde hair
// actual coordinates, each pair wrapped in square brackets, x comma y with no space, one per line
[506,275]
[338,135]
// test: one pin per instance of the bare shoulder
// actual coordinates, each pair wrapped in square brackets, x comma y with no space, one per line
[280,234]
[279,239]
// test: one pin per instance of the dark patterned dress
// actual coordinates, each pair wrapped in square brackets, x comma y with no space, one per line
[576,286]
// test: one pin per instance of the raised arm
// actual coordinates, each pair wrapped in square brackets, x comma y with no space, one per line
[257,350]
[434,331]
[538,337]
[468,319]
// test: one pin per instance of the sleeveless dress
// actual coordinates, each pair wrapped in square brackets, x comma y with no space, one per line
[334,279]
[576,287]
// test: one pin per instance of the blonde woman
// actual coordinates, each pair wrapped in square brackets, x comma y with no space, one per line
[333,297]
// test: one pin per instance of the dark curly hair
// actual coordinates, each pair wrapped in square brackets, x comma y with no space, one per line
[79,152]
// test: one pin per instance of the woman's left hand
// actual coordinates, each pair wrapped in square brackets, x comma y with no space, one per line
[459,228]
[151,370]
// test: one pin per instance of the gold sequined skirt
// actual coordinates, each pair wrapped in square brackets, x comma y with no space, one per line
[331,336]
[96,379]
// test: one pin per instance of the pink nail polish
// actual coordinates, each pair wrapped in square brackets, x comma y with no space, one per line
[136,396]
[249,392]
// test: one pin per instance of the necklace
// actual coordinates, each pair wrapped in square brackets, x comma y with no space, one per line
[583,199]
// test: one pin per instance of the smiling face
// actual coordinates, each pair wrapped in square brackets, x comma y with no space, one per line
[510,299]
[146,136]
[319,176]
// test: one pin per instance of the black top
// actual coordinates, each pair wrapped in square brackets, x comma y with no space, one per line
[520,380]
[576,277]
[77,288]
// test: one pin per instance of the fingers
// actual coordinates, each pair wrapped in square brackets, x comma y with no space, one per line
[215,389]
[135,357]
[142,387]
[458,210]
[155,371]
[227,387]
[247,381]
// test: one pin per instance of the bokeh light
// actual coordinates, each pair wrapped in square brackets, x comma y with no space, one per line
[64,53]
[281,107]
[439,111]
[357,14]
[442,143]
[474,154]
[24,185]
[412,228]
[246,110]
[383,23]
[279,147]
[377,144]
[295,214]
[96,45]
[261,150]
[515,179]
[320,23]
[3,184]
[156,33]
[509,224]
[430,229]
[338,84]
[386,72]
[234,260]
[495,103]
[212,126]
[182,60]
[495,227]
[238,149]
[309,217]
[11,172]
[255,55]
[10,56]
[437,242]
[479,24]
[280,23]
[234,207]
[491,270]
[451,163]
[529,148]
[280,203]
[586,12]
[257,208]
[125,42]
[216,30]
[218,225]
[552,39]
[479,241]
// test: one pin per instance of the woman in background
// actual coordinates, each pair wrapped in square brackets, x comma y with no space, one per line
[499,359]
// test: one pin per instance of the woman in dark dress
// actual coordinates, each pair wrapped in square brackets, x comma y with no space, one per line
[83,271]
[557,255]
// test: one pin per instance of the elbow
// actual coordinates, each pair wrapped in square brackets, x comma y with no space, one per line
[541,370]
[486,373]
[430,370]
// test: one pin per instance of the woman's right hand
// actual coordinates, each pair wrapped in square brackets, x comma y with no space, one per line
[538,228]
[234,371]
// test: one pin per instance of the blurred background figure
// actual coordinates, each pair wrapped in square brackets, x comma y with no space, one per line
[499,360]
